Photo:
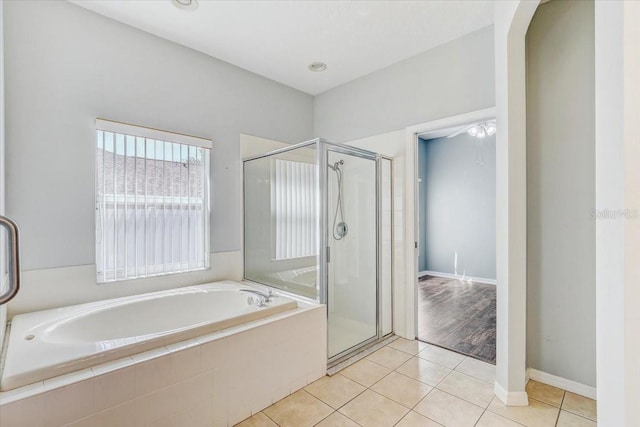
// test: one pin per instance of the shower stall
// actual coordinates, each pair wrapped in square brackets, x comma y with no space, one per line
[318,224]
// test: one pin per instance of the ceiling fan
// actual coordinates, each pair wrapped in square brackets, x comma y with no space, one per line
[479,130]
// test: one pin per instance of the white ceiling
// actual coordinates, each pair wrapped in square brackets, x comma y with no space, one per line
[279,39]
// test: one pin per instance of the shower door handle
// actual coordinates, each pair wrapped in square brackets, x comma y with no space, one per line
[13,240]
[328,253]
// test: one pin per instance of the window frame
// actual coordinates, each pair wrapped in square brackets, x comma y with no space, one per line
[136,131]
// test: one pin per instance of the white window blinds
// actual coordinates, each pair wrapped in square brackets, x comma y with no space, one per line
[294,208]
[152,202]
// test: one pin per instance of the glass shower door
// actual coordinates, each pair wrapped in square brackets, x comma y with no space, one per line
[351,237]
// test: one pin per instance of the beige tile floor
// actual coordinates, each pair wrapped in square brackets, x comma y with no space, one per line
[410,383]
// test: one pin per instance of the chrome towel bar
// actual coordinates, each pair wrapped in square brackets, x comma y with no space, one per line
[13,240]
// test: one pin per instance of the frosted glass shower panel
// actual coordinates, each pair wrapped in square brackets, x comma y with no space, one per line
[281,221]
[351,271]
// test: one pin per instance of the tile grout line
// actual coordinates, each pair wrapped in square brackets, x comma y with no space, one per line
[440,364]
[347,417]
[461,398]
[484,410]
[564,393]
[571,412]
[422,382]
[382,378]
[331,413]
[433,387]
[470,376]
[347,402]
[360,393]
[530,398]
[575,413]
[265,414]
[464,400]
[479,418]
[451,370]
[410,409]
[466,355]
[581,416]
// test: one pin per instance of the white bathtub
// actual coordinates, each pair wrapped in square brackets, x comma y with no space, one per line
[50,343]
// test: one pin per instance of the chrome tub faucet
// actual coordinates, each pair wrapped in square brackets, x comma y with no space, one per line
[263,297]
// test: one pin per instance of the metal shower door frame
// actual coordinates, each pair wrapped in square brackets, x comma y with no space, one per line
[323,149]
[322,229]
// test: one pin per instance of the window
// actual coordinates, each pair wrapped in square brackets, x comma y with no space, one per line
[152,202]
[294,207]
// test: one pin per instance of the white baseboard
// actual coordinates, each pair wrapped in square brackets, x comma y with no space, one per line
[519,398]
[563,383]
[457,276]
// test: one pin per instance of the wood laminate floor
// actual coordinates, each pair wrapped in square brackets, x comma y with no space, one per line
[458,315]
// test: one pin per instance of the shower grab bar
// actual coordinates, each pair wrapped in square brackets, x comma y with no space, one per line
[14,259]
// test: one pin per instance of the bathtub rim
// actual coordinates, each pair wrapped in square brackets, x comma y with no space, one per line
[300,298]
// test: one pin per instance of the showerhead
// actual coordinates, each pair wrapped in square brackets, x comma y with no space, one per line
[336,165]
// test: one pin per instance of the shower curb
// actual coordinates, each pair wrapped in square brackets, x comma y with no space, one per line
[360,355]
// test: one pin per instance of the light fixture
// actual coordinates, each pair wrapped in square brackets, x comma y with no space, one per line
[185,4]
[481,130]
[317,66]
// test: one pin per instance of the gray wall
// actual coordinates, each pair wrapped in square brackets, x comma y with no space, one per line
[65,66]
[458,206]
[451,79]
[3,308]
[560,191]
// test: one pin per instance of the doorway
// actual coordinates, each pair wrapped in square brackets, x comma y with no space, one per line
[456,279]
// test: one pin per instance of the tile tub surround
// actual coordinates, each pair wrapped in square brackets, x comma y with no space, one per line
[81,336]
[213,380]
[428,389]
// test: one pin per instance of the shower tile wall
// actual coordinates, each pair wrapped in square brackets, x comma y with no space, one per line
[392,144]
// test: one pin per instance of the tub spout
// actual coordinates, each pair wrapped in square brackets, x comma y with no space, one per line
[265,297]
